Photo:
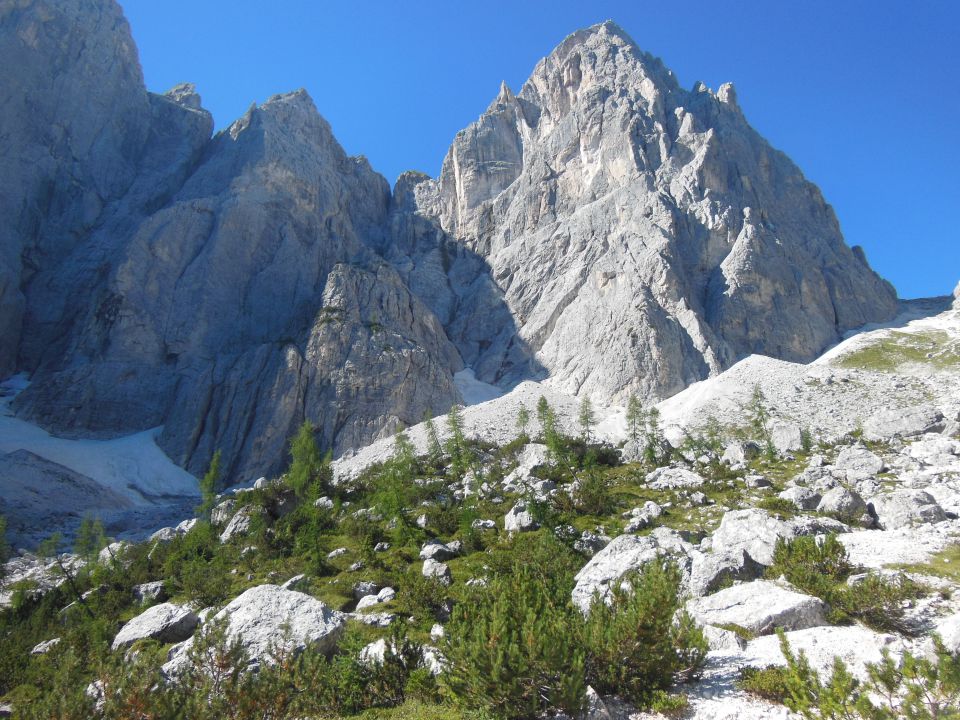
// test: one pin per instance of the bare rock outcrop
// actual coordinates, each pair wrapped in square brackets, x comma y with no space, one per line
[643,236]
[602,227]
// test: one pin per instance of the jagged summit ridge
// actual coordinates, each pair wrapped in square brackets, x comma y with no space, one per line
[601,228]
[642,235]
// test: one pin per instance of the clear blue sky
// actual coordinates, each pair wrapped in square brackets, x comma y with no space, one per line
[862,94]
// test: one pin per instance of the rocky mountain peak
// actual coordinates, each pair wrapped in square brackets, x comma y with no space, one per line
[185,94]
[601,228]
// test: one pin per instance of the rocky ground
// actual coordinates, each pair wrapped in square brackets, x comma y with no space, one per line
[861,446]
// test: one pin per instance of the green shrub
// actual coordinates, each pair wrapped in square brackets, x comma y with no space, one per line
[918,688]
[634,647]
[511,651]
[778,505]
[816,567]
[424,598]
[769,683]
[876,601]
[822,569]
[593,496]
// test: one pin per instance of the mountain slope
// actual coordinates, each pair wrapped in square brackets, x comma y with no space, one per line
[602,230]
[643,236]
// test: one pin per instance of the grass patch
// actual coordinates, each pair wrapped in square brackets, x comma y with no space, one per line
[933,348]
[944,564]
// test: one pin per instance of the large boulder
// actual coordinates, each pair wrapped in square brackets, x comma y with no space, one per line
[436,550]
[858,462]
[846,505]
[903,422]
[242,522]
[855,645]
[626,554]
[903,546]
[903,508]
[671,478]
[165,622]
[709,571]
[752,531]
[786,436]
[760,607]
[803,498]
[519,519]
[266,615]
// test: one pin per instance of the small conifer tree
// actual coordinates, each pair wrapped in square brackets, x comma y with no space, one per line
[4,544]
[653,438]
[586,417]
[457,443]
[306,462]
[208,488]
[523,419]
[543,408]
[635,418]
[91,538]
[434,446]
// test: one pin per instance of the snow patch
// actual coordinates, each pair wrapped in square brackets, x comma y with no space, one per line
[133,466]
[474,391]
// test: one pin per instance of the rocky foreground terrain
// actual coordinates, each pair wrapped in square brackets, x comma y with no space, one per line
[856,453]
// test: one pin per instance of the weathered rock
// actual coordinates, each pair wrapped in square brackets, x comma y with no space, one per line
[583,110]
[817,525]
[858,462]
[738,453]
[671,478]
[45,647]
[803,498]
[437,570]
[752,531]
[166,622]
[385,595]
[949,630]
[721,639]
[643,516]
[590,543]
[519,519]
[603,226]
[438,551]
[786,436]
[854,645]
[266,615]
[223,511]
[710,570]
[760,607]
[37,495]
[903,508]
[903,422]
[238,352]
[115,552]
[904,546]
[242,522]
[845,505]
[626,554]
[150,592]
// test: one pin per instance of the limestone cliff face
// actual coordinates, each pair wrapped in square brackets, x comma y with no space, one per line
[226,288]
[643,236]
[602,227]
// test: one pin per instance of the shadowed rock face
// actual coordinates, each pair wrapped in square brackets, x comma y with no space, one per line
[602,227]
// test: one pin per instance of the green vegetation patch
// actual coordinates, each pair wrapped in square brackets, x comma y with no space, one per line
[933,348]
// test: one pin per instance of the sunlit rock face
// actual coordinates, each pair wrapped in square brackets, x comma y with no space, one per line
[602,228]
[643,236]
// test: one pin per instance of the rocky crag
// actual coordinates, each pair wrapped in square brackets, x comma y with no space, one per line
[603,229]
